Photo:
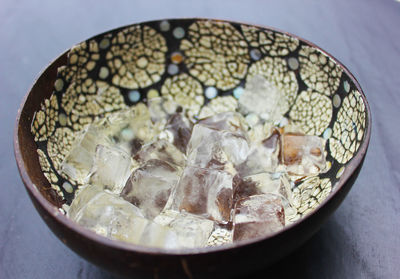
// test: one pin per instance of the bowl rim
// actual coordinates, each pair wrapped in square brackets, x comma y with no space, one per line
[54,212]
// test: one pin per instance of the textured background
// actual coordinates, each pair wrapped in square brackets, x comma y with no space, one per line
[360,240]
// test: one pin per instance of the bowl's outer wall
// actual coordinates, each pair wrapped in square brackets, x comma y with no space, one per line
[221,264]
[215,264]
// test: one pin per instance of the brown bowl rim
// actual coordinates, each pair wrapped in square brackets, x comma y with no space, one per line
[53,211]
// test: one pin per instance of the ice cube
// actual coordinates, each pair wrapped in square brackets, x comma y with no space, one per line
[132,128]
[107,214]
[263,183]
[161,150]
[192,230]
[303,154]
[278,183]
[118,127]
[149,186]
[111,168]
[181,128]
[263,157]
[113,217]
[78,163]
[204,192]
[226,121]
[259,132]
[210,148]
[266,182]
[262,98]
[159,236]
[257,216]
[134,146]
[244,187]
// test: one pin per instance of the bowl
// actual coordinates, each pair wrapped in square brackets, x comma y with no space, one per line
[196,62]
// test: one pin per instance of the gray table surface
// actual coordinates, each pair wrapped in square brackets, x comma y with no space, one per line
[360,240]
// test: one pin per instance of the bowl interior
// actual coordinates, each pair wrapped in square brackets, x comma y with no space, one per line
[200,64]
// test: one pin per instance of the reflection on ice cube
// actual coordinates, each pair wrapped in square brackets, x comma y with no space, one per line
[192,231]
[113,217]
[226,121]
[181,128]
[149,186]
[111,168]
[210,148]
[263,157]
[78,163]
[204,192]
[161,150]
[257,216]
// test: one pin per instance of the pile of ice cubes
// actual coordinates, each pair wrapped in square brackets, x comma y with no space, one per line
[153,177]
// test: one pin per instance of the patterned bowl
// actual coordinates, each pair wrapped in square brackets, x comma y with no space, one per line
[196,62]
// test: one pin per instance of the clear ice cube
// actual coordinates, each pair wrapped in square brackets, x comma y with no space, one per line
[303,154]
[161,150]
[107,214]
[263,157]
[257,216]
[180,128]
[210,148]
[204,192]
[127,129]
[262,98]
[111,168]
[113,217]
[156,235]
[150,185]
[277,183]
[265,182]
[244,187]
[192,230]
[78,163]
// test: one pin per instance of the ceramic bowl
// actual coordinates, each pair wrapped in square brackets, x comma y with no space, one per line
[198,63]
